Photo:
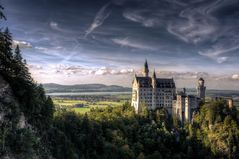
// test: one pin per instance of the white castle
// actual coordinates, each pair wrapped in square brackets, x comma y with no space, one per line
[154,93]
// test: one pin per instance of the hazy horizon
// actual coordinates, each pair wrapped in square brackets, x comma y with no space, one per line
[107,41]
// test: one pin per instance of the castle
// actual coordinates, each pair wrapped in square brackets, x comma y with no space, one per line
[154,93]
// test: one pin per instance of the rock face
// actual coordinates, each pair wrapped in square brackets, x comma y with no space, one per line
[7,98]
[9,106]
[5,91]
[13,122]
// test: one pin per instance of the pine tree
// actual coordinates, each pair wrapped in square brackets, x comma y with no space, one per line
[2,45]
[8,44]
[20,66]
[17,55]
[2,16]
[2,55]
[6,52]
[48,110]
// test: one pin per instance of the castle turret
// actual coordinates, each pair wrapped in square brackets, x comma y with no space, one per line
[230,103]
[154,80]
[135,94]
[201,89]
[146,69]
[154,90]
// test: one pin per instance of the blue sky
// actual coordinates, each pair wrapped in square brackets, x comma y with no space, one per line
[107,41]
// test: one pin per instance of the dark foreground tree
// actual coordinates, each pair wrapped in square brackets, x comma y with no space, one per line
[26,113]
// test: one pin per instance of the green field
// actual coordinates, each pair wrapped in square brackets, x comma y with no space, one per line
[85,106]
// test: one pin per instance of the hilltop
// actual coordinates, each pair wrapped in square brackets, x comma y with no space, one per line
[53,87]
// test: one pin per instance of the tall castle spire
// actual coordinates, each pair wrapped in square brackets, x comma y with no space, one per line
[146,69]
[154,80]
[201,89]
[154,90]
[154,75]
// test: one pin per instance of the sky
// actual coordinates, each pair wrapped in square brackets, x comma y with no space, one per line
[107,41]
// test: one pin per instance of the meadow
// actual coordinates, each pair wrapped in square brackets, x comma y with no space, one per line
[84,104]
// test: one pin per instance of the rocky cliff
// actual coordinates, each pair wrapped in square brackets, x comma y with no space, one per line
[12,123]
[9,106]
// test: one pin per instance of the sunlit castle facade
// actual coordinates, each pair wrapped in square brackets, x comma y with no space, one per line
[185,105]
[152,92]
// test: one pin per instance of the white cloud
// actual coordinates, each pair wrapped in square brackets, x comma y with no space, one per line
[55,26]
[183,75]
[134,44]
[101,71]
[75,74]
[235,77]
[21,44]
[109,71]
[35,67]
[222,59]
[69,70]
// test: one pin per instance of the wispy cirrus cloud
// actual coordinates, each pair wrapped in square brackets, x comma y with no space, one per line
[126,42]
[55,26]
[139,17]
[221,49]
[190,22]
[99,19]
[57,51]
[195,23]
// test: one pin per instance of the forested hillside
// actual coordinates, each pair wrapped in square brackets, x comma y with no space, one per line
[30,128]
[26,113]
[120,133]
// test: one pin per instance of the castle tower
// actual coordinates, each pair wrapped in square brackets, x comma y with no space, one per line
[230,103]
[135,94]
[154,90]
[201,89]
[146,69]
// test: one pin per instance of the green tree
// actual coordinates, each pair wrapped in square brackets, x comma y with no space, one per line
[17,55]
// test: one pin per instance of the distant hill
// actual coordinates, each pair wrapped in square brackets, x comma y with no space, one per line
[54,88]
[214,92]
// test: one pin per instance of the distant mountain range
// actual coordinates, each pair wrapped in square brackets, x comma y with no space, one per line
[55,88]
